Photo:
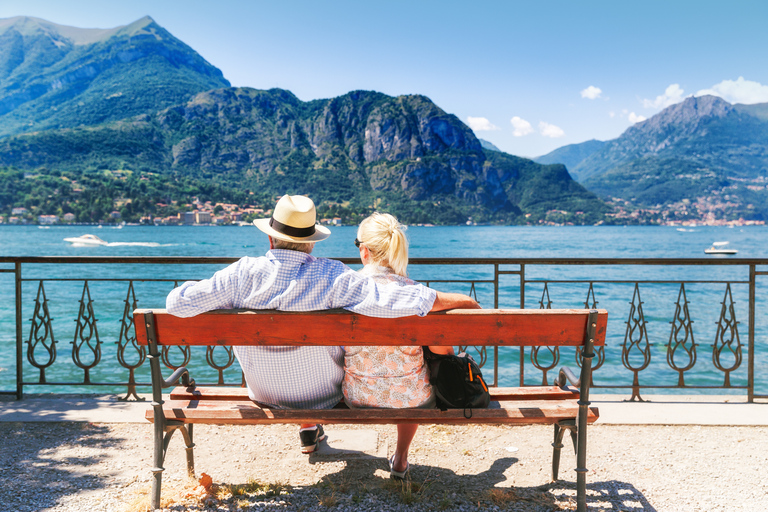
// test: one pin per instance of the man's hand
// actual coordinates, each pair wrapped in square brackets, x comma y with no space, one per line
[453,301]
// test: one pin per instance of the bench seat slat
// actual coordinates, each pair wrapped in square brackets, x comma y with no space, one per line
[497,394]
[248,413]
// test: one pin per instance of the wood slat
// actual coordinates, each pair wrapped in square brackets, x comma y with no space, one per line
[248,413]
[503,327]
[497,394]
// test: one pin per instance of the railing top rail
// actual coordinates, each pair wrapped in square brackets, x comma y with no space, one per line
[416,261]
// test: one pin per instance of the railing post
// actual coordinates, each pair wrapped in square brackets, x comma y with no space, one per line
[19,341]
[751,336]
[496,306]
[522,306]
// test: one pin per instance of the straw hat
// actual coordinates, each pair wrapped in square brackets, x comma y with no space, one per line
[294,221]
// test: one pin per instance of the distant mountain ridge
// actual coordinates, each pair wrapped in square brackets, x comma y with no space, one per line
[702,150]
[53,76]
[571,155]
[363,145]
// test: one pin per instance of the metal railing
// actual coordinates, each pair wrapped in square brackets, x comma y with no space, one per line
[718,289]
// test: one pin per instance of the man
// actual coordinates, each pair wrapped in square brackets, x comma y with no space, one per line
[288,278]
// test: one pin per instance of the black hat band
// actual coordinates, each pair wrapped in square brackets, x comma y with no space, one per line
[290,230]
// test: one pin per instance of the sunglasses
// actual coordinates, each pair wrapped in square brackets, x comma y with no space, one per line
[357,243]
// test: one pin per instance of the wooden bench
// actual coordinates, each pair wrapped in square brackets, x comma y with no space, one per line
[562,405]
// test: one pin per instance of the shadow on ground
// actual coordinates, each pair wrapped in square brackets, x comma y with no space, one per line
[43,462]
[360,485]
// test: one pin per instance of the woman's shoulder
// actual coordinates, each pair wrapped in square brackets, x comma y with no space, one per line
[384,275]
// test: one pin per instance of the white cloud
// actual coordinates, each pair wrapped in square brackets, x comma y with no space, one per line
[522,127]
[591,92]
[611,114]
[634,118]
[673,94]
[738,91]
[481,124]
[550,130]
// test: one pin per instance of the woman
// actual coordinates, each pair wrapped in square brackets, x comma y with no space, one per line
[393,376]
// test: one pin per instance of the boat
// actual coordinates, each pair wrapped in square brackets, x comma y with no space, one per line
[720,248]
[86,240]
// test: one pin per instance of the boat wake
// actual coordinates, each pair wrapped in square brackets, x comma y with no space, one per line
[139,244]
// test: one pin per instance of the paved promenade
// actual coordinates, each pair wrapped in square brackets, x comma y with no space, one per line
[670,453]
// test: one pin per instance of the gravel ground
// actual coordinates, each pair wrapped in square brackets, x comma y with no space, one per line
[105,467]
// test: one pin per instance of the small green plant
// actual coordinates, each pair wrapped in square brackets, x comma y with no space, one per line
[328,500]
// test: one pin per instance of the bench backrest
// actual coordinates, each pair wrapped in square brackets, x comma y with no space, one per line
[503,327]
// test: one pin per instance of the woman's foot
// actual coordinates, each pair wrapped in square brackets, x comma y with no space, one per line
[397,475]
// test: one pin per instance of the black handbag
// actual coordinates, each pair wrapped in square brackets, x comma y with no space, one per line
[457,381]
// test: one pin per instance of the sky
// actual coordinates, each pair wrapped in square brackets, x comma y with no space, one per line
[527,76]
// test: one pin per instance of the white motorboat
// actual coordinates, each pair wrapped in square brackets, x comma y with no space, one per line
[720,248]
[88,240]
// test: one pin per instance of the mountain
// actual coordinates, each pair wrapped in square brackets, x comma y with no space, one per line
[363,148]
[571,155]
[54,76]
[131,118]
[702,158]
[488,145]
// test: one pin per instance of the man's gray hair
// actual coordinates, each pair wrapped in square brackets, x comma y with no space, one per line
[294,246]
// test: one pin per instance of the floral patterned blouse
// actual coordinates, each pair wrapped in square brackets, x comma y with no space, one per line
[385,377]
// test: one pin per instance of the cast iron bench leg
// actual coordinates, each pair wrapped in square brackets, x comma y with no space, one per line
[186,431]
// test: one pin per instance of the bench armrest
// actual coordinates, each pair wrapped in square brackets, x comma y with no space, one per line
[182,374]
[566,374]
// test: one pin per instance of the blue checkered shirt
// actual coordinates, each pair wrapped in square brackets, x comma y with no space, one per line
[296,377]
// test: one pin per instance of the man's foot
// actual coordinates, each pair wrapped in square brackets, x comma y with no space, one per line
[310,438]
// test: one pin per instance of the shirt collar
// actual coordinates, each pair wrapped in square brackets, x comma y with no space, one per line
[286,256]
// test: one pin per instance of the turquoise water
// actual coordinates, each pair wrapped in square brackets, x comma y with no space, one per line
[454,242]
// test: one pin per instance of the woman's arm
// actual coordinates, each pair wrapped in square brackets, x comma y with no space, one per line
[454,301]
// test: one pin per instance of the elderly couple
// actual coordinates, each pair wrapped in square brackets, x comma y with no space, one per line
[288,278]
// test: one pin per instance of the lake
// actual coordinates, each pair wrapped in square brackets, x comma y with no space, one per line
[566,286]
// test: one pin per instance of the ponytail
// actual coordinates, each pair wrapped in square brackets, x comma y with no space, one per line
[385,239]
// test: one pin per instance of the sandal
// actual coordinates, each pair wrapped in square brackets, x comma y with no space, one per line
[397,475]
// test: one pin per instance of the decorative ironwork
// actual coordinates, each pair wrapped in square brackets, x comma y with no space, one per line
[727,337]
[636,343]
[727,351]
[41,335]
[482,352]
[681,339]
[545,294]
[210,358]
[185,352]
[86,336]
[553,352]
[599,351]
[127,341]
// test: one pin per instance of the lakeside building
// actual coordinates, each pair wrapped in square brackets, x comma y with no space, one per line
[47,219]
[202,217]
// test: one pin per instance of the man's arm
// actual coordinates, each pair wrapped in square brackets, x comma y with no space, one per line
[453,301]
[195,297]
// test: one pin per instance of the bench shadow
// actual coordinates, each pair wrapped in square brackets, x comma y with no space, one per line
[38,475]
[447,490]
[608,496]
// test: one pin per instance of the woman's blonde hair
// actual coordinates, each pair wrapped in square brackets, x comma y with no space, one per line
[385,239]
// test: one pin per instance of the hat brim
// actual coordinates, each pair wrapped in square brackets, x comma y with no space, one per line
[321,233]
